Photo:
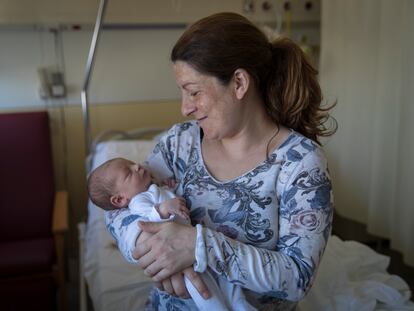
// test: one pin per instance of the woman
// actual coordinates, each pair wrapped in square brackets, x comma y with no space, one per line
[249,167]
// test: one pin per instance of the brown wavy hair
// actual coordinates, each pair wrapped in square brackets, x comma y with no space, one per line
[219,44]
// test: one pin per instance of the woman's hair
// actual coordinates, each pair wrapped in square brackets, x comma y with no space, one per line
[219,44]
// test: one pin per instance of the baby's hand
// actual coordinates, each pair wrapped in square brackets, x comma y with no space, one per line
[175,206]
[169,182]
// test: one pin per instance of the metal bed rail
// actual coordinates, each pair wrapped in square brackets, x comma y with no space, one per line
[99,25]
[88,74]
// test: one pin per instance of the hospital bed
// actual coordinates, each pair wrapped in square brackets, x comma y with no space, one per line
[351,276]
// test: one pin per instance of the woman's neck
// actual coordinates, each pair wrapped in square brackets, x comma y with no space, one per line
[254,131]
[235,155]
[246,146]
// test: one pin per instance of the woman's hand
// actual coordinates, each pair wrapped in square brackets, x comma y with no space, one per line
[168,251]
[175,285]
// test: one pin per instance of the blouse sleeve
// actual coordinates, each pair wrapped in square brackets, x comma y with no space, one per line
[305,216]
[123,226]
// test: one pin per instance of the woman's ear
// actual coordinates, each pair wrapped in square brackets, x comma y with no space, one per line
[118,200]
[241,82]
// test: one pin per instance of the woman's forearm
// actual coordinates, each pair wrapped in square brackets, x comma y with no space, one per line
[286,273]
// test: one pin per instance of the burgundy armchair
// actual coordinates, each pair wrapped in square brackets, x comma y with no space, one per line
[33,217]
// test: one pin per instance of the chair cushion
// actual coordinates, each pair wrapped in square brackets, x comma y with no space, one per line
[26,176]
[20,258]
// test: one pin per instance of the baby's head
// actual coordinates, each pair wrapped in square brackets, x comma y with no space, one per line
[113,184]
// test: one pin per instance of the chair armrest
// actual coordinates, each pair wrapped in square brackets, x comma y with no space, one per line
[59,227]
[60,213]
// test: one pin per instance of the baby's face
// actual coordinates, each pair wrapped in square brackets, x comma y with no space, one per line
[131,178]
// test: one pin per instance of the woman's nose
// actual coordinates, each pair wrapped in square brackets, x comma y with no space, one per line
[187,107]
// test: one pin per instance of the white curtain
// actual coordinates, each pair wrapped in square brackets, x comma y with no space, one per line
[367,65]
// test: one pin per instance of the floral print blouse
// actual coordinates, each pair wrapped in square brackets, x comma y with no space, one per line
[265,230]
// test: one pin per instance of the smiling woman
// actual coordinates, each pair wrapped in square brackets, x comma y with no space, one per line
[250,170]
[208,101]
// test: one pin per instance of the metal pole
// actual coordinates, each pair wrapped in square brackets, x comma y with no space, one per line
[88,74]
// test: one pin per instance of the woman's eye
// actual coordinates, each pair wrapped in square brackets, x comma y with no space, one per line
[194,93]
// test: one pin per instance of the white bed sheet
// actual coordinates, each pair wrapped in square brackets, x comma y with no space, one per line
[351,276]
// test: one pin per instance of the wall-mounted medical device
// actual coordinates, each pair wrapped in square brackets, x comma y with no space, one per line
[51,83]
